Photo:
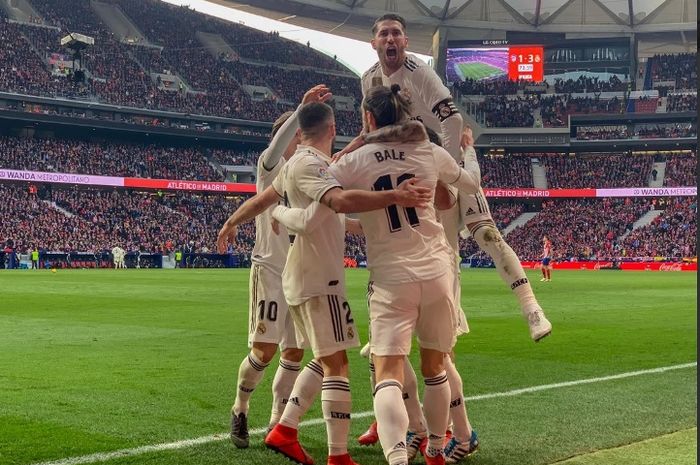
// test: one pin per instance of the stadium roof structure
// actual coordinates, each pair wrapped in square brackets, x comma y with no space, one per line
[353,18]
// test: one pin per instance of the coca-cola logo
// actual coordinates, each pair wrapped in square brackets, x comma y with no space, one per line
[670,267]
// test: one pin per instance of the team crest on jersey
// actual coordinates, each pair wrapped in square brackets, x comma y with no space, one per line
[376,81]
[261,328]
[406,94]
[351,333]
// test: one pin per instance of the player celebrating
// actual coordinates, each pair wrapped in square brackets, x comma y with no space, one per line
[546,259]
[313,276]
[270,326]
[409,261]
[432,104]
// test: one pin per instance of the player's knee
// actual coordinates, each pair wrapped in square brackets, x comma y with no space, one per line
[293,355]
[488,237]
[432,362]
[335,364]
[264,351]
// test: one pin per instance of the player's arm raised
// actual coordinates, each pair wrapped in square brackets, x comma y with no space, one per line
[246,212]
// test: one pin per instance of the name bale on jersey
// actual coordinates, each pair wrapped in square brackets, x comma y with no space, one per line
[388,155]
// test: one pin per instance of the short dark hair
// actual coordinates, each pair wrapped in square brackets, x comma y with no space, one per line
[389,17]
[313,118]
[387,105]
[279,122]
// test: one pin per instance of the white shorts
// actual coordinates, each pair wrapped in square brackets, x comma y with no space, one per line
[474,208]
[461,325]
[451,223]
[325,324]
[268,313]
[397,310]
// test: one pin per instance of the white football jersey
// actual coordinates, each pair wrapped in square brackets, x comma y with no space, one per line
[315,261]
[270,249]
[403,244]
[430,99]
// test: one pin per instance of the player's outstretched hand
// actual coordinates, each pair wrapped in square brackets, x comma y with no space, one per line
[226,236]
[413,195]
[354,144]
[320,93]
[467,137]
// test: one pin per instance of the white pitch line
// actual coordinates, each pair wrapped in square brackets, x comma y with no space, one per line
[106,456]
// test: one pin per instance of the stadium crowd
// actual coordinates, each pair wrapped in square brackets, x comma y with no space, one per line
[106,157]
[589,84]
[672,234]
[682,102]
[580,229]
[681,170]
[597,171]
[678,67]
[506,171]
[505,112]
[95,220]
[118,73]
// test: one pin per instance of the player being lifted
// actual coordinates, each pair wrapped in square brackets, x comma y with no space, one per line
[432,104]
[270,325]
[313,277]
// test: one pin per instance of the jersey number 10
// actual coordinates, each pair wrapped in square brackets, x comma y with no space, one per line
[383,183]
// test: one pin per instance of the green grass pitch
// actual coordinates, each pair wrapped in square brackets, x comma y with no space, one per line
[98,361]
[477,71]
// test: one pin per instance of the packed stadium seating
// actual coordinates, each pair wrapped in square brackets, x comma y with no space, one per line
[681,170]
[509,171]
[597,171]
[672,234]
[107,158]
[119,73]
[579,229]
[680,68]
[590,84]
[682,102]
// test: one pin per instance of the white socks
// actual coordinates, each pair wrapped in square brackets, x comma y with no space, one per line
[336,405]
[392,421]
[436,400]
[416,420]
[306,388]
[507,263]
[250,373]
[462,429]
[286,375]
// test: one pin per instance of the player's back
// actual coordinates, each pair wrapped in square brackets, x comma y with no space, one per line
[403,244]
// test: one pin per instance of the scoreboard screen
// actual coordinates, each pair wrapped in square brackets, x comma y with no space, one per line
[526,63]
[513,62]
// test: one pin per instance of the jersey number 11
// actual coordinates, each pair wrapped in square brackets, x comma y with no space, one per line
[383,183]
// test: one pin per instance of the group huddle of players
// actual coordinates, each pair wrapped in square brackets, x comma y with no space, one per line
[413,180]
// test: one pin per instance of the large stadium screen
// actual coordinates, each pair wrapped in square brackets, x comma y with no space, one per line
[517,62]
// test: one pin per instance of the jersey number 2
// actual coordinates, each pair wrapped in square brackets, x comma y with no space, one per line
[383,183]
